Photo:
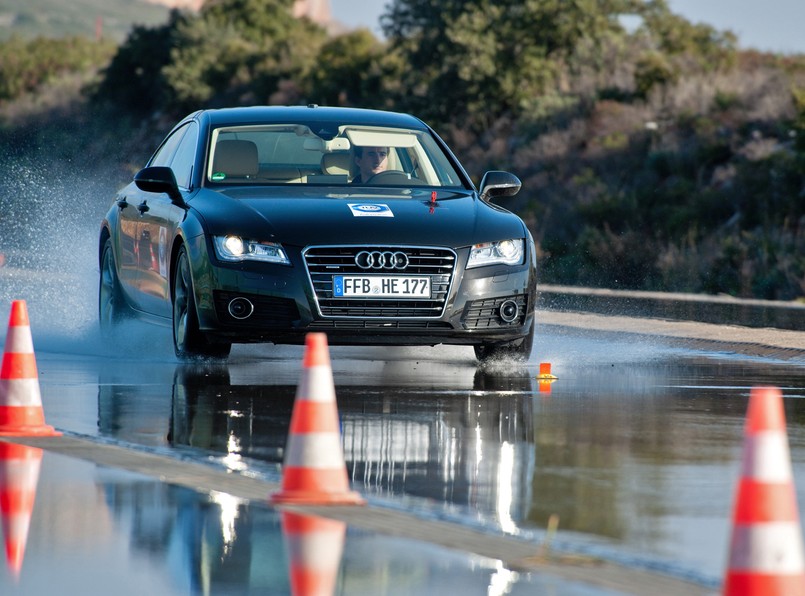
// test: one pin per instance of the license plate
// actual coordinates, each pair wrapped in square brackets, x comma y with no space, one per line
[380,286]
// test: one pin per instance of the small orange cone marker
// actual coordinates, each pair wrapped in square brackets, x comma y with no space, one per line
[314,471]
[545,377]
[19,475]
[545,372]
[314,546]
[766,551]
[21,411]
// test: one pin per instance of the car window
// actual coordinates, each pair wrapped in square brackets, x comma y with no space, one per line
[164,154]
[184,157]
[293,153]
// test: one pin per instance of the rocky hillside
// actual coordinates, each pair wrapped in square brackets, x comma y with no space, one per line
[110,19]
[113,19]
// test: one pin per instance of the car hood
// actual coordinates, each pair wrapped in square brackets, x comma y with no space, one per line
[307,217]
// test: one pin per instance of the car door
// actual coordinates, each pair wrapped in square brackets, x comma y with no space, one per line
[158,219]
[127,222]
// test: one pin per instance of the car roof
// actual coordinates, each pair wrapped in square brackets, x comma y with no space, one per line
[310,113]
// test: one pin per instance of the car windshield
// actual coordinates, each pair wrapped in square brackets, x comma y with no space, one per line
[349,154]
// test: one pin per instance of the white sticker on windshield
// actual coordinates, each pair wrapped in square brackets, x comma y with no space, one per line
[370,210]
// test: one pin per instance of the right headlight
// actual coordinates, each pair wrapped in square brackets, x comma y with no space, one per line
[235,248]
[502,252]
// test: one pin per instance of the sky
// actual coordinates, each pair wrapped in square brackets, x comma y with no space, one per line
[769,25]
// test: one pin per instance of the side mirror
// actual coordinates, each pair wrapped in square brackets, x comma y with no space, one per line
[159,179]
[497,184]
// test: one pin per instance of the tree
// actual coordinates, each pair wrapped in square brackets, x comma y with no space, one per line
[133,81]
[240,51]
[481,59]
[676,36]
[232,52]
[348,72]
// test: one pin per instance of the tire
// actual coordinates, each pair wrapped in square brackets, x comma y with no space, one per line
[112,307]
[189,343]
[518,350]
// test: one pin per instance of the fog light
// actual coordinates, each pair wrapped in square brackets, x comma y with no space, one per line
[509,311]
[241,308]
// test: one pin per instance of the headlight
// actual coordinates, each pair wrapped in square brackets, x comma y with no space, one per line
[503,252]
[235,248]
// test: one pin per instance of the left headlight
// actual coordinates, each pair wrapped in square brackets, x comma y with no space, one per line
[503,252]
[235,248]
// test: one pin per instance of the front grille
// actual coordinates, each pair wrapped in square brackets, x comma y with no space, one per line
[485,314]
[325,261]
[269,312]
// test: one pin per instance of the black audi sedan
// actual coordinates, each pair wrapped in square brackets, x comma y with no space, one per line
[261,224]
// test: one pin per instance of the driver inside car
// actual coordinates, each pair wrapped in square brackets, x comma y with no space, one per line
[370,161]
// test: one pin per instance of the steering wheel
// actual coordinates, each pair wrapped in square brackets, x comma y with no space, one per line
[395,177]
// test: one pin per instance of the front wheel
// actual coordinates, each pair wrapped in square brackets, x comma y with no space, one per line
[189,342]
[518,350]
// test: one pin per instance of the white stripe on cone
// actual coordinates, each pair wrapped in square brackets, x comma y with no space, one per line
[21,475]
[319,549]
[767,548]
[16,526]
[321,451]
[20,392]
[766,457]
[19,340]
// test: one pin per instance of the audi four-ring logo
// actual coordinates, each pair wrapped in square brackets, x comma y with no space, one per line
[377,259]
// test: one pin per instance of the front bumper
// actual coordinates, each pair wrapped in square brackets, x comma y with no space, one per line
[480,305]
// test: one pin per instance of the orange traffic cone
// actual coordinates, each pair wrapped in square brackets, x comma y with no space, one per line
[21,411]
[19,475]
[314,546]
[766,551]
[314,471]
[545,377]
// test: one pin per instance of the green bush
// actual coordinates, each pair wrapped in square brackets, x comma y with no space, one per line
[653,70]
[27,65]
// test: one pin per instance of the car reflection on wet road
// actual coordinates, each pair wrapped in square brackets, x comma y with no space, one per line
[636,447]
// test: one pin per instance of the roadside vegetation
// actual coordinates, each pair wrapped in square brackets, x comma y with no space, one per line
[655,154]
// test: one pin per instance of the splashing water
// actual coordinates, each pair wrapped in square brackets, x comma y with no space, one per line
[49,223]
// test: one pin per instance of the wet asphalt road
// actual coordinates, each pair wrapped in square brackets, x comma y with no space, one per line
[635,451]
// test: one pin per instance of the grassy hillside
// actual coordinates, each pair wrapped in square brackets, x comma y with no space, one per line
[60,18]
